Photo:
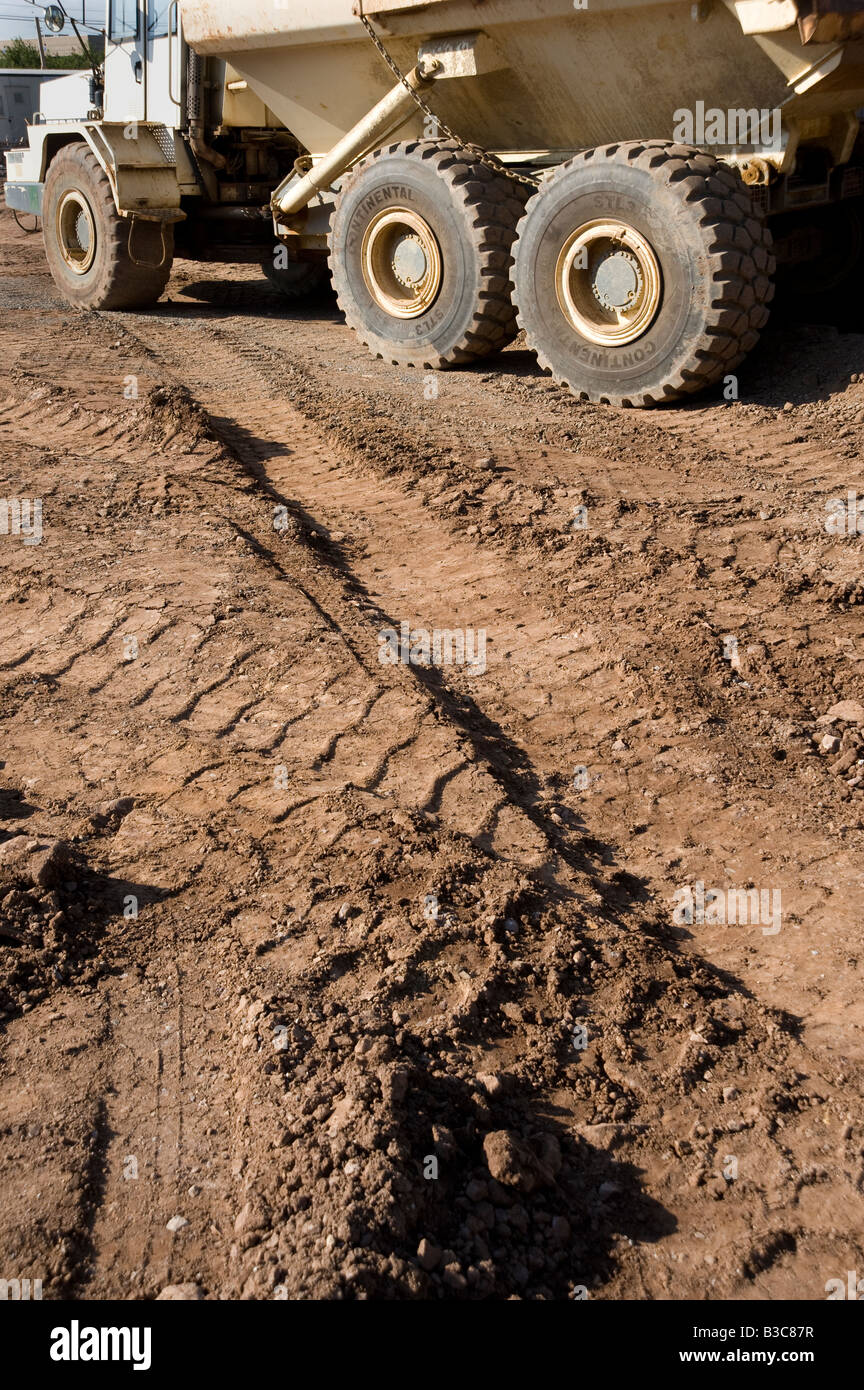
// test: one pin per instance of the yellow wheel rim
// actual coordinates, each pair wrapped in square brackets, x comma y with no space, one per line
[76,231]
[401,263]
[608,283]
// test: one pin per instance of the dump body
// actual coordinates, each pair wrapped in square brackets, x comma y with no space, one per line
[566,78]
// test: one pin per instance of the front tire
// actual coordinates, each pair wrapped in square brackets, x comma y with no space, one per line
[87,243]
[420,253]
[642,273]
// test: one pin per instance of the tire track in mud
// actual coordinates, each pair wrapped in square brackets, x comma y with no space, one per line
[122,1223]
[401,567]
[641,741]
[328,496]
[304,964]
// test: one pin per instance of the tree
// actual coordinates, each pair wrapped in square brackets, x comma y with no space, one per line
[20,53]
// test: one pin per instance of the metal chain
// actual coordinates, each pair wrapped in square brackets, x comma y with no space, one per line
[483,156]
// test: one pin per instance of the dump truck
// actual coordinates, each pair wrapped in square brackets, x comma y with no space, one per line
[621,179]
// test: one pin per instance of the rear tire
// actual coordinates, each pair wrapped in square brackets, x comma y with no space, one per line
[420,253]
[87,242]
[674,279]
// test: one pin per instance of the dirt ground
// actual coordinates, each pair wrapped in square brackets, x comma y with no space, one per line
[329,977]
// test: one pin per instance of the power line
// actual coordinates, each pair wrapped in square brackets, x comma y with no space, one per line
[28,19]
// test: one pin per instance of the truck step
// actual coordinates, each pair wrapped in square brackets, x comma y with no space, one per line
[162,164]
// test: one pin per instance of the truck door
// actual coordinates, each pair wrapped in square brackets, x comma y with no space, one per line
[164,63]
[125,73]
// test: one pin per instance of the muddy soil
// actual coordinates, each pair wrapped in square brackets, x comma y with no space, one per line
[330,973]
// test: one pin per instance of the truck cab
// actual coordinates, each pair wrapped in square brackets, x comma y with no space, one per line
[157,153]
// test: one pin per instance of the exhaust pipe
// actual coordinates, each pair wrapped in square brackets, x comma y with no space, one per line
[199,146]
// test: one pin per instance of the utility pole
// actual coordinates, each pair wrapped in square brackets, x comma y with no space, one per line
[41,44]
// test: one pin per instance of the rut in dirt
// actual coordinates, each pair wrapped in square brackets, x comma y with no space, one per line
[388,953]
[296,466]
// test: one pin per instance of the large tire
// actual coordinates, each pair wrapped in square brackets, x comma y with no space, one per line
[685,271]
[82,228]
[298,281]
[454,302]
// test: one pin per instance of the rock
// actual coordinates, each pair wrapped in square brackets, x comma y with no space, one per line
[491,1084]
[250,1218]
[429,1255]
[498,1195]
[45,862]
[730,1093]
[176,1224]
[560,1230]
[512,1163]
[445,1143]
[830,744]
[846,761]
[176,1293]
[477,1191]
[341,1114]
[394,1084]
[607,1135]
[851,711]
[108,813]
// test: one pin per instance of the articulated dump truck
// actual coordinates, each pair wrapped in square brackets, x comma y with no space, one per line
[622,179]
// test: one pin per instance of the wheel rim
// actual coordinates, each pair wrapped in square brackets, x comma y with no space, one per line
[608,282]
[401,262]
[76,231]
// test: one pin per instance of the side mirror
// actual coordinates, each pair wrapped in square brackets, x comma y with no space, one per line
[55,19]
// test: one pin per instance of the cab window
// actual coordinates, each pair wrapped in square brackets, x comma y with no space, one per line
[158,12]
[123,23]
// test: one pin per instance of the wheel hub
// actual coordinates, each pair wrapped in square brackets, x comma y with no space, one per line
[608,282]
[76,231]
[409,262]
[618,282]
[401,262]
